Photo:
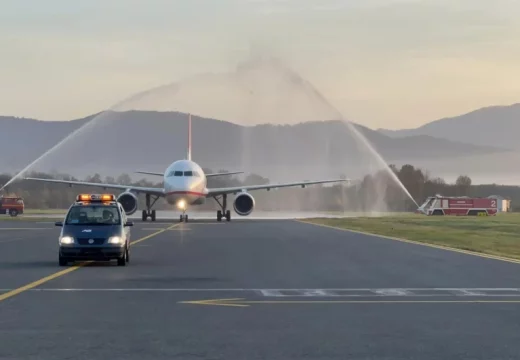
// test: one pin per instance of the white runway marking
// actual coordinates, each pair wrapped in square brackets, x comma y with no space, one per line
[392,292]
[27,228]
[470,292]
[271,293]
[11,240]
[165,229]
[384,292]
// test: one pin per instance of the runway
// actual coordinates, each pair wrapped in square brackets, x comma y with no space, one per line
[168,215]
[254,289]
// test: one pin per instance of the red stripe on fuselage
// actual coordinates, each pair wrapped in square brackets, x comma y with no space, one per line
[185,193]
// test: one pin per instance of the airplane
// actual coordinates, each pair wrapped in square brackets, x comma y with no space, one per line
[185,185]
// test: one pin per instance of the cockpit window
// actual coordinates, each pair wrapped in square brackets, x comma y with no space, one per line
[183,173]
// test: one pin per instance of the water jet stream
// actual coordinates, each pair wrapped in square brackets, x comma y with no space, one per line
[267,90]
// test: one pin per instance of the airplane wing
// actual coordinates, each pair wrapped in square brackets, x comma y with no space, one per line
[224,173]
[230,190]
[135,189]
[149,173]
[207,175]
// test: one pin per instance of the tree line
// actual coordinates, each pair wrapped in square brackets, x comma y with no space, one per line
[382,191]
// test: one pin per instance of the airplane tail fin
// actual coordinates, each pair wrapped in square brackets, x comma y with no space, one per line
[188,156]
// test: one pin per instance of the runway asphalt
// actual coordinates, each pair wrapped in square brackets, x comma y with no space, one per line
[254,289]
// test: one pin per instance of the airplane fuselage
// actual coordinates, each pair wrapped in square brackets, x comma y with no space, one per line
[185,184]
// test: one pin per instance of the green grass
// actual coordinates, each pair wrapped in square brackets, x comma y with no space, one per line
[495,235]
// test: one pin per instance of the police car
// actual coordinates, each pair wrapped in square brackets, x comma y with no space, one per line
[95,228]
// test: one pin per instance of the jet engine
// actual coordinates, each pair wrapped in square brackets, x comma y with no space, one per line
[128,201]
[244,204]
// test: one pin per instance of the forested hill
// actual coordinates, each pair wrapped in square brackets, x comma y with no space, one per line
[374,193]
[115,143]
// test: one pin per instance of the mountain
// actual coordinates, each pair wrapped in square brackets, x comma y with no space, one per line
[114,142]
[491,126]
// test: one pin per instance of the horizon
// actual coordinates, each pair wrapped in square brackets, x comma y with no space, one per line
[391,64]
[266,123]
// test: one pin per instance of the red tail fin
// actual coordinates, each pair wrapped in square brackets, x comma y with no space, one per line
[189,138]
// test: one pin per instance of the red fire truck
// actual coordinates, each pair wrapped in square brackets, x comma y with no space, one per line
[461,206]
[11,205]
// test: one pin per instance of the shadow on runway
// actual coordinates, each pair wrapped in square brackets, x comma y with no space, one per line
[28,265]
[201,220]
[52,264]
[175,279]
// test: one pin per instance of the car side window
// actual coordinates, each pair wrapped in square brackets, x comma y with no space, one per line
[123,214]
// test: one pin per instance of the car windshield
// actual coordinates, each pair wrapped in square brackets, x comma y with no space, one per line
[93,215]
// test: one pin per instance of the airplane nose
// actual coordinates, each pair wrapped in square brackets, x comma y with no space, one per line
[185,184]
[190,184]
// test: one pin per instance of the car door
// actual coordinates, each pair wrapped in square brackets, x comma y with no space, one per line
[126,229]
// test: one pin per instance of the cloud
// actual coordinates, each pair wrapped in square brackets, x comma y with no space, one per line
[359,52]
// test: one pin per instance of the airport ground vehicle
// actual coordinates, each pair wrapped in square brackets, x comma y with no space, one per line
[95,228]
[460,206]
[11,205]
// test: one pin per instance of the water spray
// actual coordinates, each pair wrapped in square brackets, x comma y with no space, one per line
[292,78]
[379,158]
[57,146]
[364,140]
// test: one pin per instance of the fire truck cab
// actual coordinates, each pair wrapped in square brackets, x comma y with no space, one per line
[461,206]
[11,205]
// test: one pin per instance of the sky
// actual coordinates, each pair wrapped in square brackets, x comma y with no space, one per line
[382,63]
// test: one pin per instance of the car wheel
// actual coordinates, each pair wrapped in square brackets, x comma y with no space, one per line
[122,260]
[13,212]
[127,255]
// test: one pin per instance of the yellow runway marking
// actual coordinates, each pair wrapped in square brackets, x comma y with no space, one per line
[36,283]
[39,282]
[238,302]
[153,234]
[441,247]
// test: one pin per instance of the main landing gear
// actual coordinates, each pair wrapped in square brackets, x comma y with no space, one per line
[149,213]
[224,212]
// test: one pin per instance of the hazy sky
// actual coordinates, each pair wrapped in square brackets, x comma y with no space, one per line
[383,63]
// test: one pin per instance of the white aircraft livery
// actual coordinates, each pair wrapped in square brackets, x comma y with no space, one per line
[185,185]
